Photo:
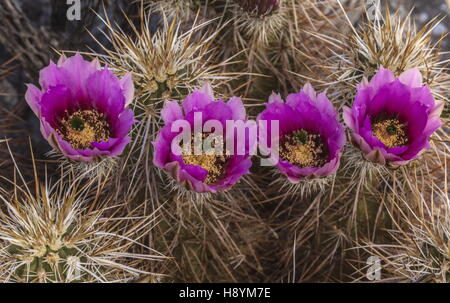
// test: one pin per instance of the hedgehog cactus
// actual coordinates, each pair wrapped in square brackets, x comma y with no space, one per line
[62,233]
[45,263]
[315,213]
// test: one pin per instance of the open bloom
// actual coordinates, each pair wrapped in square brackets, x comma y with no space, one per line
[82,108]
[310,139]
[392,118]
[205,172]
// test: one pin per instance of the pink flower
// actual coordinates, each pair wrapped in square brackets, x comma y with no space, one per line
[201,173]
[392,118]
[311,139]
[82,108]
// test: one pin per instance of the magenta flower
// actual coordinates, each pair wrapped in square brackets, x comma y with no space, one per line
[310,139]
[206,172]
[392,118]
[82,108]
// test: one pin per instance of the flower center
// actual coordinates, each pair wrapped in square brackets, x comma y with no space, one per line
[303,149]
[83,127]
[209,160]
[390,131]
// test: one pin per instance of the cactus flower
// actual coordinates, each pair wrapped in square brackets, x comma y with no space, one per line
[83,109]
[310,139]
[392,119]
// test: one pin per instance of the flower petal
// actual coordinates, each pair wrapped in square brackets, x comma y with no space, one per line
[237,108]
[126,83]
[33,97]
[275,98]
[198,100]
[381,78]
[411,77]
[171,112]
[105,93]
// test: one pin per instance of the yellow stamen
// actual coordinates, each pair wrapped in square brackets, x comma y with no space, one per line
[209,160]
[83,127]
[303,149]
[391,132]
